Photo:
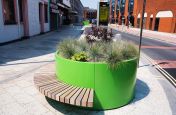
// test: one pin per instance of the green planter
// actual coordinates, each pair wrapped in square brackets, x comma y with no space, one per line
[113,88]
[86,22]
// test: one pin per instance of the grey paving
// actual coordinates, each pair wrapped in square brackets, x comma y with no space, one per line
[18,96]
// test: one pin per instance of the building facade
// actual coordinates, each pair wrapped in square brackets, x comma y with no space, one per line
[22,18]
[160,15]
[76,11]
[89,14]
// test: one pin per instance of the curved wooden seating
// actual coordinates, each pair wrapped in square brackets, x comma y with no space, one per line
[46,82]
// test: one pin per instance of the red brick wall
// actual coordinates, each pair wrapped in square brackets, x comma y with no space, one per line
[153,7]
[165,24]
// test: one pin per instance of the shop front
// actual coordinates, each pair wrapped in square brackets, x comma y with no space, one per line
[54,13]
[64,6]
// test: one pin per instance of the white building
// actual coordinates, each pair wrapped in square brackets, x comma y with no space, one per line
[22,18]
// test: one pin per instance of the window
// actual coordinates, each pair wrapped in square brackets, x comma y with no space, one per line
[122,6]
[46,13]
[9,12]
[20,10]
[40,6]
[130,6]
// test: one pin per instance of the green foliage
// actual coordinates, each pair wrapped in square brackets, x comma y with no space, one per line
[67,48]
[82,56]
[129,51]
[110,52]
[82,45]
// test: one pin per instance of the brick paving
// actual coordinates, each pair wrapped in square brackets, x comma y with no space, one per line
[18,95]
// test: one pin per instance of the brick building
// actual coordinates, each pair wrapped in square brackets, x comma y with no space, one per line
[89,13]
[160,15]
[76,12]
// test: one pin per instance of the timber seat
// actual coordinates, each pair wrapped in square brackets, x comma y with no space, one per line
[46,82]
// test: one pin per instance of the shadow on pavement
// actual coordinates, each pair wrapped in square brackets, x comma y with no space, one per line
[141,91]
[72,110]
[37,45]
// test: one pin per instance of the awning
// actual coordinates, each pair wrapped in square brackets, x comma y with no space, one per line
[62,6]
[73,12]
[164,14]
[151,16]
[139,15]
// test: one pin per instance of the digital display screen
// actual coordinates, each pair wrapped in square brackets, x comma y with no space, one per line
[103,13]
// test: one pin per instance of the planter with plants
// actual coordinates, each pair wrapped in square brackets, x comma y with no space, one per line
[98,62]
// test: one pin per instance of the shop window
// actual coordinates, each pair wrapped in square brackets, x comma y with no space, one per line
[21,10]
[9,12]
[46,13]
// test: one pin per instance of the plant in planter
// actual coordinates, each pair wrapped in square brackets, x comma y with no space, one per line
[107,66]
[110,52]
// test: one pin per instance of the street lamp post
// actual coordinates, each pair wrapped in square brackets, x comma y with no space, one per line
[115,11]
[141,30]
[110,12]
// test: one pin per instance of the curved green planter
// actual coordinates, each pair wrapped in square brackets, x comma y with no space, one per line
[113,88]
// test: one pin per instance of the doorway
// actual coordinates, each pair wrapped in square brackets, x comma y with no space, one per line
[138,23]
[53,21]
[41,17]
[175,28]
[150,25]
[157,20]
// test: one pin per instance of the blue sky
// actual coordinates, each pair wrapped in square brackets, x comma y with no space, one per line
[90,3]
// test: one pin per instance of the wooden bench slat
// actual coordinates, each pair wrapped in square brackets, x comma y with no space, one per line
[53,88]
[62,92]
[85,98]
[49,94]
[46,82]
[62,97]
[67,98]
[79,98]
[73,98]
[50,87]
[44,87]
[53,96]
[90,100]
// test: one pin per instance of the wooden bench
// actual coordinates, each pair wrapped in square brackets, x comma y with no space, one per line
[46,82]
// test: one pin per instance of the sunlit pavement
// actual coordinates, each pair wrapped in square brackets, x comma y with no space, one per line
[166,37]
[18,96]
